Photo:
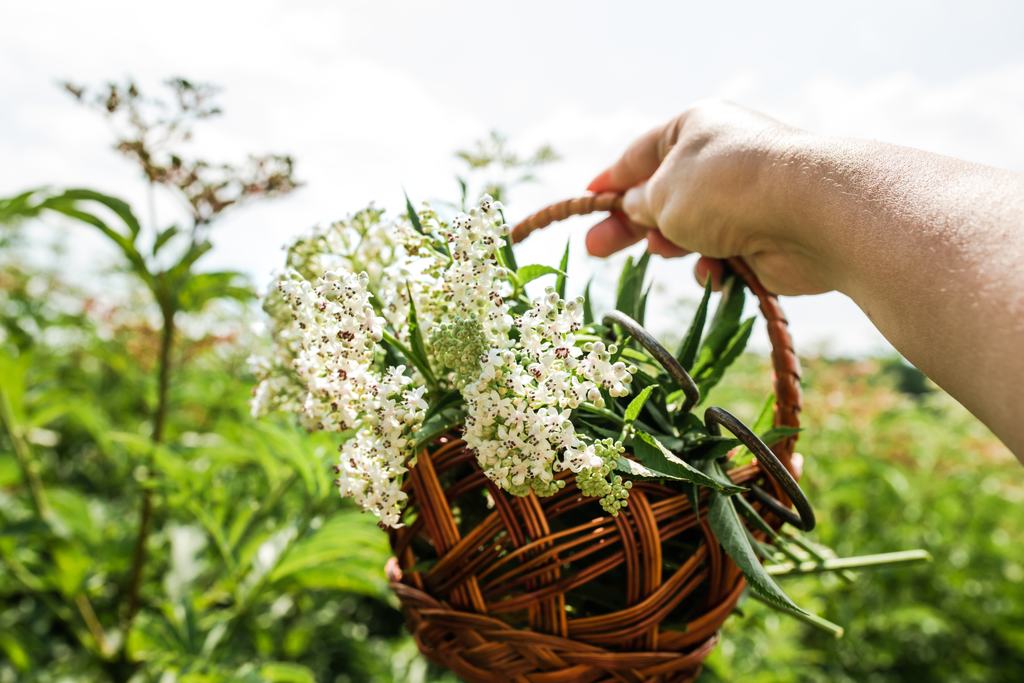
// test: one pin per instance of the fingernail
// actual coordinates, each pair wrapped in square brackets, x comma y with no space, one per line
[600,182]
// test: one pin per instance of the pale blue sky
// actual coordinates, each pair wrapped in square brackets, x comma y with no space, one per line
[374,96]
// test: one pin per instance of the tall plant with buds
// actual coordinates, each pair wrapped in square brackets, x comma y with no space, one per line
[151,132]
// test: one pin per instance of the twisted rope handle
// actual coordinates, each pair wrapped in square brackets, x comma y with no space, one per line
[785,364]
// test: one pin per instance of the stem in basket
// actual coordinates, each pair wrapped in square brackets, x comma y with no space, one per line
[814,620]
[836,564]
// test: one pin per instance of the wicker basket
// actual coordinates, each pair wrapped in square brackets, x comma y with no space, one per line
[554,590]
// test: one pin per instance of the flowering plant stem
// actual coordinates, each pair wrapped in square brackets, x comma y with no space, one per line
[146,505]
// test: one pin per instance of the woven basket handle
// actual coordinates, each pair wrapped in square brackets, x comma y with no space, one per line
[786,366]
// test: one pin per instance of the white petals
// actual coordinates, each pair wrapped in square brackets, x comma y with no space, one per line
[521,374]
[519,408]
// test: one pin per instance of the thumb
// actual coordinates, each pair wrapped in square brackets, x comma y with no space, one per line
[636,205]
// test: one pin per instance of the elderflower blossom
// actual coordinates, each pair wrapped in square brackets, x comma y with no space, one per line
[519,408]
[334,338]
[371,466]
[521,375]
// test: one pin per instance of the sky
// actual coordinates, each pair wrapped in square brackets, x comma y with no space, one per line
[374,97]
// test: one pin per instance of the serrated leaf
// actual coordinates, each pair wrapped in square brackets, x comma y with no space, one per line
[563,266]
[637,404]
[732,535]
[533,271]
[652,455]
[687,353]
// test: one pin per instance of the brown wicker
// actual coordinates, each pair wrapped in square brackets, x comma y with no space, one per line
[500,588]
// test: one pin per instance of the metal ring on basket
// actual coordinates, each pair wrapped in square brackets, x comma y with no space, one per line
[716,418]
[660,353]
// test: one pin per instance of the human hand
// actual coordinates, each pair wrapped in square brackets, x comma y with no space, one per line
[713,180]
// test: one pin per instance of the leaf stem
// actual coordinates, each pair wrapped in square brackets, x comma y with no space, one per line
[843,563]
[812,619]
[617,419]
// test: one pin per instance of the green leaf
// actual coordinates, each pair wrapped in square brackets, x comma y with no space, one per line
[437,425]
[563,266]
[67,204]
[414,217]
[777,434]
[199,290]
[163,237]
[507,255]
[532,272]
[711,374]
[637,404]
[723,325]
[588,304]
[19,207]
[713,447]
[346,553]
[70,567]
[419,350]
[687,353]
[631,285]
[641,306]
[120,207]
[655,458]
[767,415]
[732,535]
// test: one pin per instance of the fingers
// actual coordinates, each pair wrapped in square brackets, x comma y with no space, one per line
[709,267]
[617,232]
[613,234]
[659,245]
[638,163]
[637,206]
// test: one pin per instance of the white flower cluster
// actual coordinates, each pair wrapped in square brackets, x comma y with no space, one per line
[519,408]
[371,467]
[334,334]
[521,376]
[474,285]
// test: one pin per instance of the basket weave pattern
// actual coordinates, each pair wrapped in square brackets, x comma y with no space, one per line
[502,588]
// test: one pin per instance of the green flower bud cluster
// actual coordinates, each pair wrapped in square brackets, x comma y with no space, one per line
[539,486]
[457,346]
[601,482]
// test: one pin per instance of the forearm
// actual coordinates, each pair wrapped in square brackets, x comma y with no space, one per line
[932,249]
